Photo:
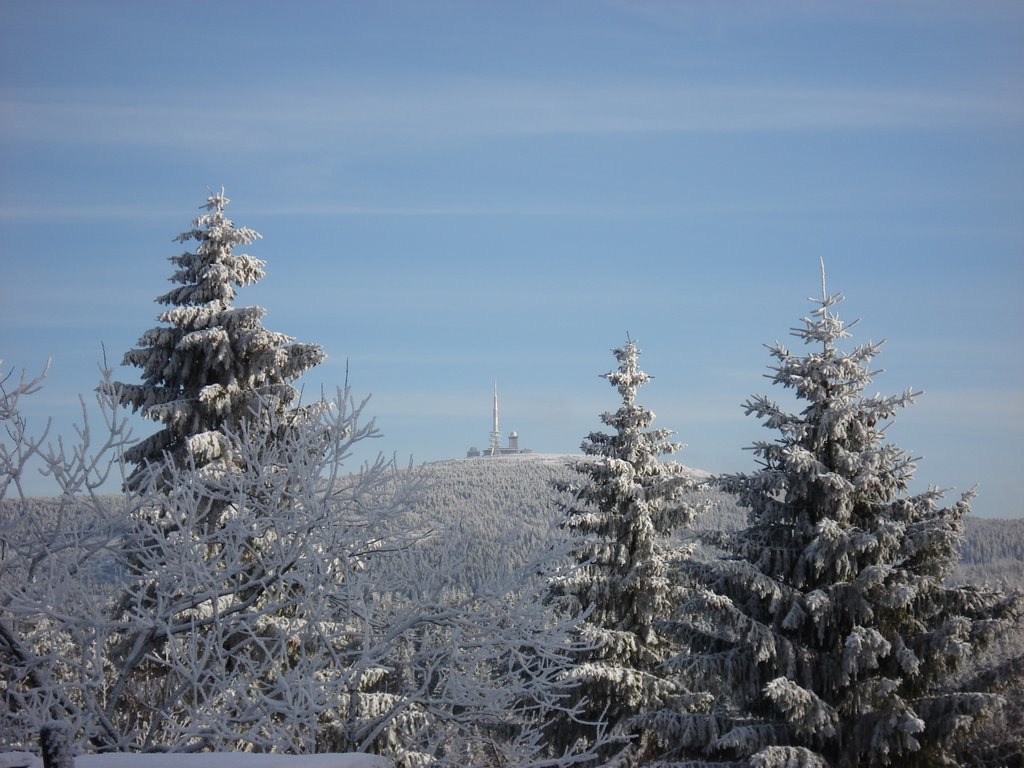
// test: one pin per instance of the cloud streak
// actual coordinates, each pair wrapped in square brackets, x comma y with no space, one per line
[381,113]
[92,212]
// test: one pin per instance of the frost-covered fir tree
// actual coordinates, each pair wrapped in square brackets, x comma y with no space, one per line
[210,365]
[626,504]
[210,374]
[828,628]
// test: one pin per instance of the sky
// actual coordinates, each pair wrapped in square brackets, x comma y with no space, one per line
[457,193]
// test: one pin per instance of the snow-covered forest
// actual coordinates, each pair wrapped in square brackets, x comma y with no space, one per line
[253,591]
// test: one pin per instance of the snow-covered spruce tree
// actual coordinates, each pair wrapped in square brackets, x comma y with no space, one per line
[211,364]
[626,504]
[233,636]
[210,374]
[829,620]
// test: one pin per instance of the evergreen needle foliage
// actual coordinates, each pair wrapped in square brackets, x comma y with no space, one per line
[829,629]
[625,506]
[210,365]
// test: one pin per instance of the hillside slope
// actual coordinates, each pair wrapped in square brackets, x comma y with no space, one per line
[493,514]
[504,510]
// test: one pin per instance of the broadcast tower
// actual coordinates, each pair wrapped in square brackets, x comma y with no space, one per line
[495,446]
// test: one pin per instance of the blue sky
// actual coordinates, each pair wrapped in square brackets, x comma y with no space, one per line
[456,192]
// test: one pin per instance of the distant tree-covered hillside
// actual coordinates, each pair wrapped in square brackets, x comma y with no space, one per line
[993,552]
[990,540]
[499,512]
[503,509]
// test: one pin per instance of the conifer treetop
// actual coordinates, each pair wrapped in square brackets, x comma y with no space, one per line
[633,442]
[211,273]
[836,443]
[210,364]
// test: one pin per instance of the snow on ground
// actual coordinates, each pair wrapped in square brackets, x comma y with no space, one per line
[204,760]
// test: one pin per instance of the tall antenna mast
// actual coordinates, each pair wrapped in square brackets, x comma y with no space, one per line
[495,447]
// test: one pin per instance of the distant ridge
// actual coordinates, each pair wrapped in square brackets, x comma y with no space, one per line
[567,459]
[508,504]
[505,510]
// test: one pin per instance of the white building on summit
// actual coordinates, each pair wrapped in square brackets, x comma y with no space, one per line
[494,448]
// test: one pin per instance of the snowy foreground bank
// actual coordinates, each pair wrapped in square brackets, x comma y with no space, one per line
[205,760]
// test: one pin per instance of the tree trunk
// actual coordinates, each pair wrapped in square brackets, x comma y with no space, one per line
[56,746]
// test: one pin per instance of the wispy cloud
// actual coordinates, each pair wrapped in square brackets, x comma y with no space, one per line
[386,112]
[93,212]
[87,212]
